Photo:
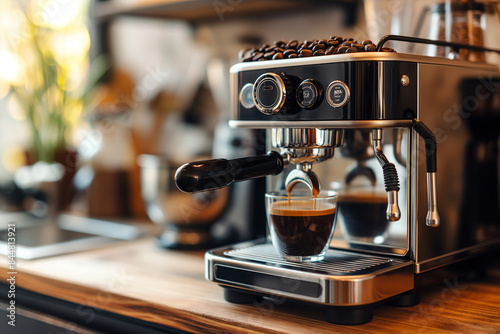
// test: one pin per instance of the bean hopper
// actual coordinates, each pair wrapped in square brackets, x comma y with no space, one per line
[383,114]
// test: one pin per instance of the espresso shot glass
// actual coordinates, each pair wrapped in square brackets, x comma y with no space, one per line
[362,211]
[301,226]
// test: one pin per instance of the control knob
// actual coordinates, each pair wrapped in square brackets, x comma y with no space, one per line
[273,93]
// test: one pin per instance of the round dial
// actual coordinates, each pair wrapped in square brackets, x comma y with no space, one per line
[271,93]
[309,94]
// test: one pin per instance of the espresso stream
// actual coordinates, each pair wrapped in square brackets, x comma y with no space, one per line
[302,227]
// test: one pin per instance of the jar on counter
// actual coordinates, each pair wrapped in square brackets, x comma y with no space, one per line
[466,26]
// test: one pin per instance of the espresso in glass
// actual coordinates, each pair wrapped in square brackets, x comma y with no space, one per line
[364,214]
[301,226]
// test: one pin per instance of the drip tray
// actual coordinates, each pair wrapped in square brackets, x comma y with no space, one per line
[343,278]
[335,262]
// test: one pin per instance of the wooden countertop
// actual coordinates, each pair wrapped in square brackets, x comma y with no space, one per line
[139,280]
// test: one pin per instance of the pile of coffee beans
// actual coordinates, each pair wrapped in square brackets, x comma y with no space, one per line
[320,47]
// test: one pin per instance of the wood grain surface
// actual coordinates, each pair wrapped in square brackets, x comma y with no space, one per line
[139,280]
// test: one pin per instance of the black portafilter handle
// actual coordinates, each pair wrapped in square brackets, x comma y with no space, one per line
[219,173]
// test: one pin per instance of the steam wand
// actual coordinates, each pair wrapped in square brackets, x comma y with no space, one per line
[390,177]
[432,218]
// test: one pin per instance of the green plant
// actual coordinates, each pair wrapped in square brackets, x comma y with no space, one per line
[54,78]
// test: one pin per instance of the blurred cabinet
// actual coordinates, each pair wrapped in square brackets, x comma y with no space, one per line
[197,11]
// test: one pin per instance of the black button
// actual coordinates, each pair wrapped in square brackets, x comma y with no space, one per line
[337,94]
[268,93]
[309,94]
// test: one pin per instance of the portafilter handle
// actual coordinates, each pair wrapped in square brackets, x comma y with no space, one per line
[219,173]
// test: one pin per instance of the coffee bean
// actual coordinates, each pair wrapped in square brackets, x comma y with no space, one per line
[269,55]
[360,47]
[370,47]
[330,50]
[263,47]
[342,49]
[292,45]
[278,55]
[242,53]
[318,47]
[258,56]
[281,49]
[332,42]
[306,52]
[337,38]
[320,52]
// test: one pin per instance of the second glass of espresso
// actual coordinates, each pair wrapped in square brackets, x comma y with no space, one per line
[362,209]
[301,225]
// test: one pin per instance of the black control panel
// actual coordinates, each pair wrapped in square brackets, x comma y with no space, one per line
[330,91]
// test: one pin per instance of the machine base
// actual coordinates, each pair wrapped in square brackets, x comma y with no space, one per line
[340,315]
[345,285]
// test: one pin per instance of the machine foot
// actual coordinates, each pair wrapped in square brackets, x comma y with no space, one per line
[407,299]
[238,296]
[349,315]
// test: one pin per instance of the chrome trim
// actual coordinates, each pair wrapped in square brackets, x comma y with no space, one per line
[308,155]
[359,287]
[393,213]
[432,218]
[329,97]
[370,248]
[456,256]
[277,105]
[307,177]
[380,112]
[323,124]
[364,56]
[405,80]
[304,138]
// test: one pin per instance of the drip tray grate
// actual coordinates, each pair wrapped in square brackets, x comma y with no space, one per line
[335,262]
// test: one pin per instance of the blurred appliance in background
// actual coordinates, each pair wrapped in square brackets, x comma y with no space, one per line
[208,219]
[473,22]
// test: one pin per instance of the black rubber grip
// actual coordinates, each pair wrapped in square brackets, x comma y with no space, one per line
[430,145]
[218,173]
[391,179]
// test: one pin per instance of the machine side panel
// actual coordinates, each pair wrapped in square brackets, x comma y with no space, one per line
[462,108]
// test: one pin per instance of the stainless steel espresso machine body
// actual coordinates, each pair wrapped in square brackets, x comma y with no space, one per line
[376,116]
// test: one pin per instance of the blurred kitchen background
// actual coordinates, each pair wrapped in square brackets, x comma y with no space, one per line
[93,91]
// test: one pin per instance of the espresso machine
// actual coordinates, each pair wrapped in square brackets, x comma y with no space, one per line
[384,114]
